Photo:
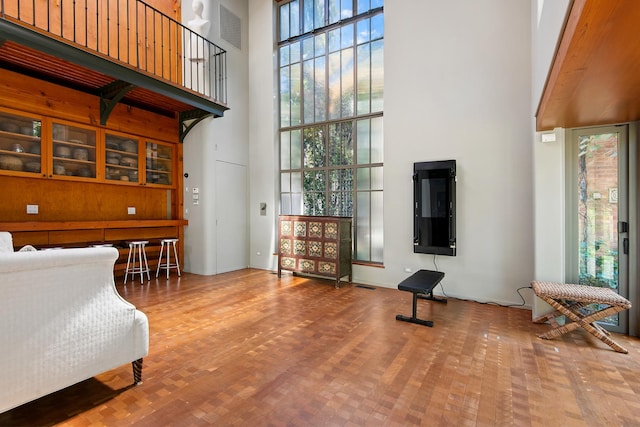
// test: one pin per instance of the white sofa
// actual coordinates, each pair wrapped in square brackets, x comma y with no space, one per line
[62,321]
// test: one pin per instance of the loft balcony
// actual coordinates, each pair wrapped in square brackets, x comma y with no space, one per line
[123,51]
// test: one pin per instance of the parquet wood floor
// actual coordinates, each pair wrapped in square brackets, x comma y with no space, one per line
[247,349]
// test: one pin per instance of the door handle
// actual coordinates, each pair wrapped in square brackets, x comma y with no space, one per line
[625,246]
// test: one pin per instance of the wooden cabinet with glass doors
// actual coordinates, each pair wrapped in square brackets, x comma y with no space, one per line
[125,162]
[20,144]
[159,163]
[51,148]
[121,158]
[74,151]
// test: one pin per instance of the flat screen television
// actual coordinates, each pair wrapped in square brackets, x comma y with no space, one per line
[434,205]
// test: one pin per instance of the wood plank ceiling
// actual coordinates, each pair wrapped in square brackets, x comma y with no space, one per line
[595,75]
[22,59]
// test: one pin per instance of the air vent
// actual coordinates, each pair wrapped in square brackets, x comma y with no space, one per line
[230,27]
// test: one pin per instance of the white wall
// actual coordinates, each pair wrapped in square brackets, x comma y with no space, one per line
[461,90]
[549,160]
[262,133]
[457,86]
[223,139]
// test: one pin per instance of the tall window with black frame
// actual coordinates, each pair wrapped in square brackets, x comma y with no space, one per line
[331,99]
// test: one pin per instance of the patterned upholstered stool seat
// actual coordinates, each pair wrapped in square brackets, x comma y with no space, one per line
[569,300]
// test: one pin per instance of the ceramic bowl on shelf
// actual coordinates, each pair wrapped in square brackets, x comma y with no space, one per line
[113,173]
[63,151]
[78,138]
[59,169]
[11,163]
[32,167]
[59,132]
[129,146]
[17,148]
[81,154]
[112,145]
[129,161]
[9,127]
[85,173]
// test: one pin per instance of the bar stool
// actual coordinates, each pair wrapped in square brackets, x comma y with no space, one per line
[137,248]
[167,265]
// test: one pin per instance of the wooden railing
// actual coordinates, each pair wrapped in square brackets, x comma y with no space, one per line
[130,32]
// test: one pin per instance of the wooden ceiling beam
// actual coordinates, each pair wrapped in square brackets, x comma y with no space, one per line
[594,78]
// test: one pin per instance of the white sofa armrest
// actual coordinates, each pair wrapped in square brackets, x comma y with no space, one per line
[6,242]
[63,321]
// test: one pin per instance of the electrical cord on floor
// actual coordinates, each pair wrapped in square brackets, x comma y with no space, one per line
[435,264]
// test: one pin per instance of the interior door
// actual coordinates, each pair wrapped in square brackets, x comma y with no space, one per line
[598,239]
[232,228]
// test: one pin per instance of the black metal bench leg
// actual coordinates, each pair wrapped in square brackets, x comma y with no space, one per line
[432,297]
[414,315]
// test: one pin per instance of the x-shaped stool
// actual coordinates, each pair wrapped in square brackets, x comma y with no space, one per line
[568,299]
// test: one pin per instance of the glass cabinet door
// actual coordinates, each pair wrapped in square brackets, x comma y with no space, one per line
[20,144]
[121,158]
[74,151]
[159,167]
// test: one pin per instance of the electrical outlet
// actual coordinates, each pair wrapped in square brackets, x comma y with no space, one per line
[131,210]
[32,209]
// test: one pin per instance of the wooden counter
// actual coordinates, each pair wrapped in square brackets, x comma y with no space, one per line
[46,234]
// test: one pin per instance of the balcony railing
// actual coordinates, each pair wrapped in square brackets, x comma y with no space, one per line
[131,33]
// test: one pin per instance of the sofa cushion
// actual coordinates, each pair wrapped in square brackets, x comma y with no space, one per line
[6,242]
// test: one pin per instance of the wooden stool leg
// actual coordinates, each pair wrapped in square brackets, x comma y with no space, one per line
[585,322]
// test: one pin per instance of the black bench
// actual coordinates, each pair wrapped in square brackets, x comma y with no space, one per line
[421,284]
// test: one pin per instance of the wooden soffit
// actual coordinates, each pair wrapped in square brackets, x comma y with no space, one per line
[595,75]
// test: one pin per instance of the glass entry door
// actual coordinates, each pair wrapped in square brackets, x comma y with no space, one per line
[599,219]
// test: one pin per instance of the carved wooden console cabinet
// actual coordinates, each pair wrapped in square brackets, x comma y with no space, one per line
[319,245]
